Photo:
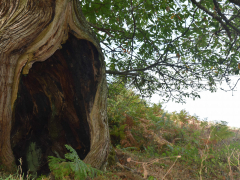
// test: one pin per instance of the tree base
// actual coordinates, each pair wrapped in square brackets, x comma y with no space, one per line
[53,105]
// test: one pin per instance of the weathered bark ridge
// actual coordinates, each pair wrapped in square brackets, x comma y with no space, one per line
[59,101]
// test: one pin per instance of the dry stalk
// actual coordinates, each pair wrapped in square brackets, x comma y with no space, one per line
[230,169]
[171,167]
[145,173]
[238,156]
[204,155]
[20,169]
[19,172]
[229,164]
[145,164]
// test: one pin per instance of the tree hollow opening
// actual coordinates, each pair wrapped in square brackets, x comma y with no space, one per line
[53,105]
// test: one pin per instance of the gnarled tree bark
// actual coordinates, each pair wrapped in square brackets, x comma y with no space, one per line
[52,84]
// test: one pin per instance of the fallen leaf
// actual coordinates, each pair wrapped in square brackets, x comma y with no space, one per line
[128,159]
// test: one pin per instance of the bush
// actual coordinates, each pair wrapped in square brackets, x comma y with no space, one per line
[72,166]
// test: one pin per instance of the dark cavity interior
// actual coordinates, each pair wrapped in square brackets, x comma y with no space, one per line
[53,105]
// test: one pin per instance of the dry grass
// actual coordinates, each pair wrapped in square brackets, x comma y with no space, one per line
[139,165]
[180,148]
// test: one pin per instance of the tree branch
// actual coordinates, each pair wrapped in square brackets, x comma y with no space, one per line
[100,29]
[122,73]
[215,17]
[219,11]
[237,2]
[104,29]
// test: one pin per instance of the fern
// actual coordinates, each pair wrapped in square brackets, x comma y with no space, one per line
[71,166]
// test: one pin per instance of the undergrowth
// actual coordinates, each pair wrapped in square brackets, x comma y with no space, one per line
[72,166]
[152,143]
[207,150]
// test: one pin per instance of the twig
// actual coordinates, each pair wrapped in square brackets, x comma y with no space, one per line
[129,169]
[170,168]
[145,164]
[203,155]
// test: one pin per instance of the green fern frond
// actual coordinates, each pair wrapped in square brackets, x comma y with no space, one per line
[71,166]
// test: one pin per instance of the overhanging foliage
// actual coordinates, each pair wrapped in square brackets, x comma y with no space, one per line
[175,48]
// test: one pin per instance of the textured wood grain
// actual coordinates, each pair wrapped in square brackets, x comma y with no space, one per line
[19,25]
[32,31]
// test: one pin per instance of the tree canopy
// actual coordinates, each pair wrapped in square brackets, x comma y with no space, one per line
[173,48]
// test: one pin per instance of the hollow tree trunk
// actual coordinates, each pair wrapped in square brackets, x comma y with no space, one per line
[52,84]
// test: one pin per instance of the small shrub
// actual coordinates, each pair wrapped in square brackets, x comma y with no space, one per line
[72,166]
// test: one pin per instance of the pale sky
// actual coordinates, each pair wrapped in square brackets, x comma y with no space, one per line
[219,106]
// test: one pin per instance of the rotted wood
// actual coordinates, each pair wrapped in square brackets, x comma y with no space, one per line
[52,84]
